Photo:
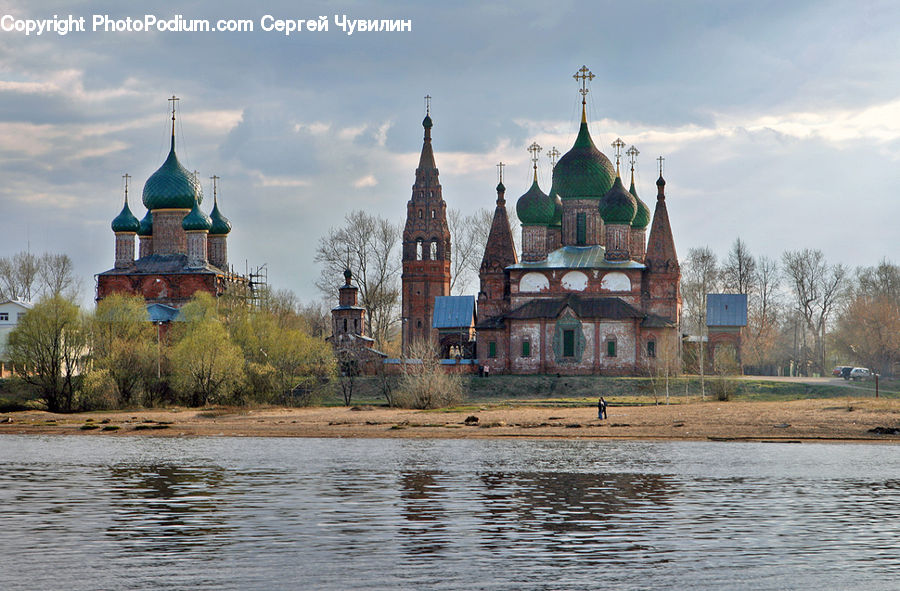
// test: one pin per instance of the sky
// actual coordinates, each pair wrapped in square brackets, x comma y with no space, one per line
[779,122]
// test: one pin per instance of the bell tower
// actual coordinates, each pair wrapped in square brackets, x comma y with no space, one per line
[426,247]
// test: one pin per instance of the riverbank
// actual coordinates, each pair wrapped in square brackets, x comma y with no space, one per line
[800,420]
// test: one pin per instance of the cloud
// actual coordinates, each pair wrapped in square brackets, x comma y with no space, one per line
[366,181]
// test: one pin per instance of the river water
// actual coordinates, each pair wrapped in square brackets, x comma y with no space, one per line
[333,514]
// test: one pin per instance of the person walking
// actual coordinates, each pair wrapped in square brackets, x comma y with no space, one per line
[601,409]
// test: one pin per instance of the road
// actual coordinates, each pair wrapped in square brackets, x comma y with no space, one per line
[828,381]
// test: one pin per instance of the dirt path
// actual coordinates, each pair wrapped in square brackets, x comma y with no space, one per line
[801,420]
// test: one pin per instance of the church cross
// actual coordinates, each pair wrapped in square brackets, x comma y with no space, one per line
[660,160]
[553,155]
[618,145]
[632,156]
[428,104]
[535,149]
[214,179]
[126,176]
[585,76]
[173,100]
[500,168]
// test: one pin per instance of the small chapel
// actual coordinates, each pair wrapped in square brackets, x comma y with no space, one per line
[182,249]
[590,293]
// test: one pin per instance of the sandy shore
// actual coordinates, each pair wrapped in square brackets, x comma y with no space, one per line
[801,420]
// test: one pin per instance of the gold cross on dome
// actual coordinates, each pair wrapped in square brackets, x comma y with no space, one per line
[428,104]
[618,145]
[632,155]
[500,168]
[535,149]
[553,155]
[585,76]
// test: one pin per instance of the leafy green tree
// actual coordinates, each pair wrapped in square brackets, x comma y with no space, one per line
[47,348]
[124,344]
[206,365]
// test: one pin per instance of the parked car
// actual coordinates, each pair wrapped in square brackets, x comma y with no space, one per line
[860,373]
[839,370]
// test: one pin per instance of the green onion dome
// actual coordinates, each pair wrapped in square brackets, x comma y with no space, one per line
[220,224]
[618,206]
[146,228]
[426,122]
[501,188]
[535,208]
[642,217]
[172,186]
[125,221]
[196,220]
[583,172]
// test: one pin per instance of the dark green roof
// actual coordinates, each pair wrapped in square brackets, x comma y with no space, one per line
[172,186]
[125,221]
[146,228]
[220,223]
[618,206]
[426,122]
[196,220]
[583,172]
[556,221]
[642,217]
[535,208]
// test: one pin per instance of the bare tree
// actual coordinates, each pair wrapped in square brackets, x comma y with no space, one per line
[18,276]
[762,313]
[57,276]
[739,272]
[699,276]
[467,250]
[816,288]
[367,245]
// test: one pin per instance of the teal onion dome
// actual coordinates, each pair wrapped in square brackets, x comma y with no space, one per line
[427,123]
[172,186]
[125,221]
[618,206]
[583,172]
[196,220]
[146,228]
[220,224]
[535,208]
[642,216]
[501,188]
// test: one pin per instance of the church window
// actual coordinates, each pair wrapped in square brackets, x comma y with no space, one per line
[611,348]
[569,343]
[433,214]
[419,323]
[356,324]
[434,250]
[418,250]
[420,214]
[345,325]
[431,193]
[492,349]
[651,348]
[581,229]
[526,348]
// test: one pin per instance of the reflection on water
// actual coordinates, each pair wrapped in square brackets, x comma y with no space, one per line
[132,513]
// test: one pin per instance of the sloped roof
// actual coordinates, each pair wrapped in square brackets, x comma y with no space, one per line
[584,307]
[162,313]
[453,311]
[577,257]
[726,309]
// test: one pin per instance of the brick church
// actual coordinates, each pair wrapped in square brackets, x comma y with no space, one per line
[591,293]
[181,251]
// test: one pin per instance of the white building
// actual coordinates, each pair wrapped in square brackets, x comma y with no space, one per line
[11,311]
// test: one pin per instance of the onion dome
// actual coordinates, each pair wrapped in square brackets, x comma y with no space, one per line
[426,122]
[196,220]
[501,188]
[220,224]
[348,275]
[642,217]
[146,228]
[172,186]
[535,208]
[125,221]
[583,172]
[618,206]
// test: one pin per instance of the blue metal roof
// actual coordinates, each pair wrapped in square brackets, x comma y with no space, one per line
[162,313]
[726,309]
[453,312]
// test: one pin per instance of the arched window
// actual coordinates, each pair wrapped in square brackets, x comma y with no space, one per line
[345,325]
[434,250]
[420,214]
[651,349]
[580,229]
[419,249]
[433,214]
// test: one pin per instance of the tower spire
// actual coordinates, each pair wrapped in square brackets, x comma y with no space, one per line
[632,156]
[535,149]
[585,76]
